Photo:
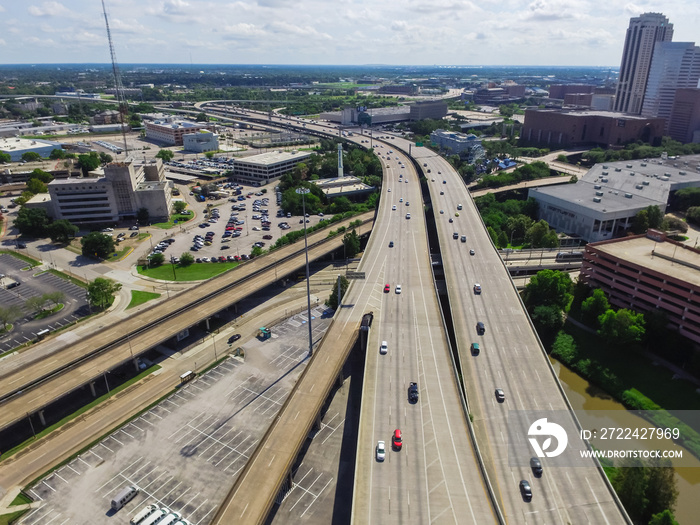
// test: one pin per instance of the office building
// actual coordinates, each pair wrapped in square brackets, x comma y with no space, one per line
[642,35]
[557,128]
[203,140]
[170,131]
[684,124]
[266,167]
[647,273]
[434,109]
[466,146]
[112,194]
[603,203]
[347,186]
[675,65]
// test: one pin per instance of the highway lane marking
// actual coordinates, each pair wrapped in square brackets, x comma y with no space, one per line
[600,508]
[441,513]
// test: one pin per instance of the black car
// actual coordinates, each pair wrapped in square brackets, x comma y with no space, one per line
[413,393]
[525,490]
[536,466]
[234,338]
[480,328]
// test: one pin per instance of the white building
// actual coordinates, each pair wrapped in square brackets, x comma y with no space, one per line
[459,144]
[201,141]
[117,193]
[676,65]
[266,167]
[603,203]
[16,147]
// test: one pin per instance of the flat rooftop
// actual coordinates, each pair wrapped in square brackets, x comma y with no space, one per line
[678,261]
[273,157]
[629,184]
[9,144]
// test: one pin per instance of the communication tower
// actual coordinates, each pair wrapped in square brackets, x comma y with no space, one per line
[123,107]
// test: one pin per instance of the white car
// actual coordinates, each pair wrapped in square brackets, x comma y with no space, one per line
[408,215]
[393,207]
[398,288]
[384,348]
[381,451]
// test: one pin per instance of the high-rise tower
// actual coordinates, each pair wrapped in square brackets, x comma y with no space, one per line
[643,33]
[676,65]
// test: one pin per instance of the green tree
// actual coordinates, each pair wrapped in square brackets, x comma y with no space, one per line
[351,243]
[143,216]
[640,222]
[31,156]
[209,154]
[493,234]
[693,214]
[548,319]
[623,327]
[201,117]
[88,162]
[157,259]
[502,240]
[166,155]
[630,484]
[61,230]
[57,154]
[97,245]
[332,301]
[663,518]
[179,206]
[41,175]
[593,307]
[56,297]
[655,216]
[36,186]
[257,251]
[661,489]
[548,288]
[340,205]
[105,158]
[36,303]
[101,292]
[516,227]
[186,259]
[581,292]
[537,234]
[5,158]
[9,315]
[32,221]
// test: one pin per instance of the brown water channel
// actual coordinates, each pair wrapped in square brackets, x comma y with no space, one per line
[584,396]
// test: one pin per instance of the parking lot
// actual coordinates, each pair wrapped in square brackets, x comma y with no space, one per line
[232,226]
[34,283]
[185,453]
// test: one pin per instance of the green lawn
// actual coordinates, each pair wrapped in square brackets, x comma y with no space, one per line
[6,519]
[46,313]
[194,272]
[181,219]
[118,254]
[138,297]
[21,499]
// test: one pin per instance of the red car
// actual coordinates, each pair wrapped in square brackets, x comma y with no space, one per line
[396,440]
[387,288]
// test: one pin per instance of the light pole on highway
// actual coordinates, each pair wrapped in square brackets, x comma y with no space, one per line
[303,192]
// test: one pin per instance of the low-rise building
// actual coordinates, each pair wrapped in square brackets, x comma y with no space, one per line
[267,167]
[170,131]
[201,141]
[648,273]
[602,204]
[569,128]
[347,186]
[15,147]
[467,146]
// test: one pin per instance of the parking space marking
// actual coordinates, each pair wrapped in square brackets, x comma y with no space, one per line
[59,477]
[105,446]
[152,482]
[175,500]
[117,475]
[93,453]
[115,439]
[188,501]
[176,486]
[36,495]
[68,465]
[195,510]
[125,432]
[154,414]
[207,514]
[134,425]
[52,489]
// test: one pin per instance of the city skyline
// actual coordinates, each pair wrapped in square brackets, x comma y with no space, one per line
[360,32]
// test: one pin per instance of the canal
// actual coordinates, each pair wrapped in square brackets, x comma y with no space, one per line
[585,397]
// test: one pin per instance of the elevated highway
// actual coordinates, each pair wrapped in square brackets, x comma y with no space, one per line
[35,385]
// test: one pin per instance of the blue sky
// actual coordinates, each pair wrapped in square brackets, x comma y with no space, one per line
[420,32]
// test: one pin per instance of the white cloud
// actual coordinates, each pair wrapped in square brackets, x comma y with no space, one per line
[176,7]
[48,9]
[2,9]
[286,28]
[2,42]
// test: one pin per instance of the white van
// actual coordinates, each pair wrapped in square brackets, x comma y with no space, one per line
[155,517]
[143,514]
[170,519]
[124,496]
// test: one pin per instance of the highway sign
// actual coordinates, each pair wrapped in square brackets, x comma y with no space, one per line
[419,144]
[355,275]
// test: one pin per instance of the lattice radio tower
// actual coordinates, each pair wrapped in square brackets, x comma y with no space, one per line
[118,87]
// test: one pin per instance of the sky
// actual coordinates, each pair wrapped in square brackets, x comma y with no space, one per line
[331,32]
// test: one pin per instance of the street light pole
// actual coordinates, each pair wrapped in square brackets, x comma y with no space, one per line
[303,192]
